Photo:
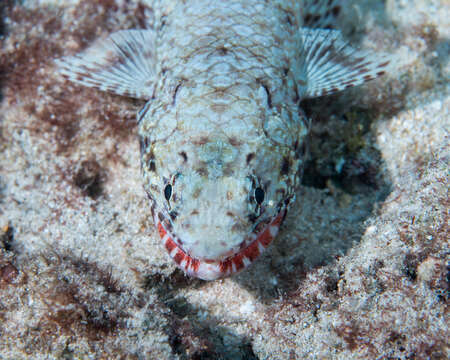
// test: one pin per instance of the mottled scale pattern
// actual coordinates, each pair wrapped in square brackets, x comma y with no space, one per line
[222,136]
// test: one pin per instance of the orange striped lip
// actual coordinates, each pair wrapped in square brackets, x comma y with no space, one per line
[215,269]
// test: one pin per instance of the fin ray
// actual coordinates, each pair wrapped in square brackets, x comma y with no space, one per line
[122,64]
[329,64]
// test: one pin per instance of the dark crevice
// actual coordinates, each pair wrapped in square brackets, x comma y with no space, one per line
[7,238]
[90,178]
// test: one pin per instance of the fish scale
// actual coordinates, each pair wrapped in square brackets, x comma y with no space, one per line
[222,135]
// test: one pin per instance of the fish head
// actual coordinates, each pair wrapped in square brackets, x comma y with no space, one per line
[220,195]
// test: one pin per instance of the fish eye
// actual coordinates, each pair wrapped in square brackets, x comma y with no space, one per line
[259,195]
[168,192]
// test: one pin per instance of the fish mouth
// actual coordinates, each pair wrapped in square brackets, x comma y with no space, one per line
[215,269]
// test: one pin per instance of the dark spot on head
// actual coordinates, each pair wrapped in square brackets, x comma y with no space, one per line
[229,213]
[222,50]
[250,157]
[194,212]
[285,166]
[202,171]
[201,141]
[89,179]
[183,155]
[234,142]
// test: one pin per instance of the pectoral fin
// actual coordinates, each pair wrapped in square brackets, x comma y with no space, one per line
[329,64]
[122,64]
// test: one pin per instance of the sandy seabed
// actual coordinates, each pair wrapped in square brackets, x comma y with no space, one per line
[359,271]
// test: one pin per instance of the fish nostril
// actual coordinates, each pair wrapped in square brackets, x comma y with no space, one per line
[186,226]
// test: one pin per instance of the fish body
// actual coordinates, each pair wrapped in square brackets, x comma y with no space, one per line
[222,136]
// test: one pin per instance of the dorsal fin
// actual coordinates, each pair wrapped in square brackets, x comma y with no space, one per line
[320,14]
[329,64]
[122,64]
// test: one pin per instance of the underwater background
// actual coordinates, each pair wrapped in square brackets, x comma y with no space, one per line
[360,269]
